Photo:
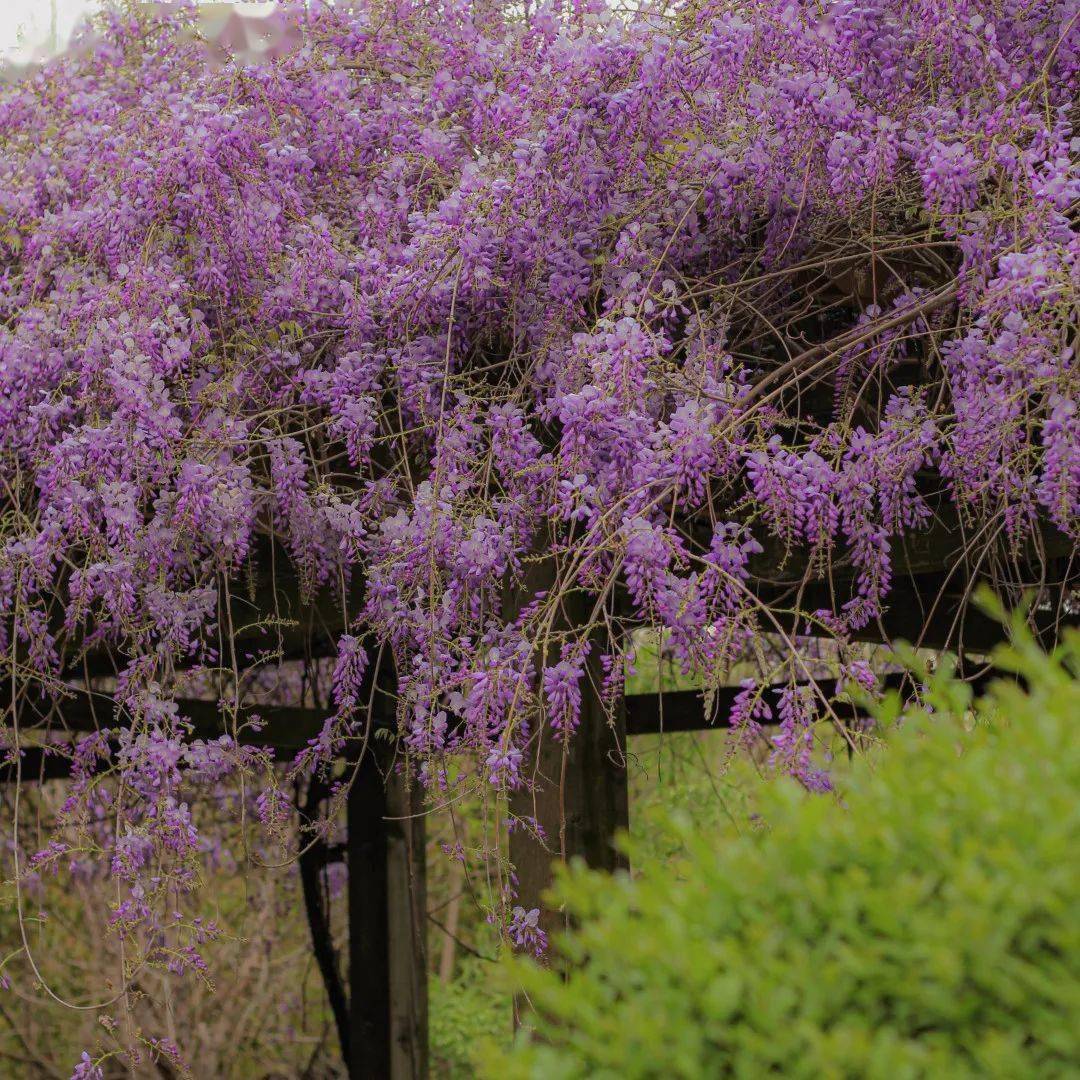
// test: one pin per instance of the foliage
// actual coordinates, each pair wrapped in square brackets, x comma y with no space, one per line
[923,924]
[694,774]
[652,668]
[465,1013]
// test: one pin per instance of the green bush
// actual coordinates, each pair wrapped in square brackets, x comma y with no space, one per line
[464,1014]
[921,923]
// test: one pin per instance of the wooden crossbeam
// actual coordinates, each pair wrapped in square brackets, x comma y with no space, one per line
[36,765]
[685,710]
[287,729]
[282,728]
[276,615]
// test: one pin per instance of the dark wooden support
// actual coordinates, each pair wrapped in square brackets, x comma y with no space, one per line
[580,803]
[275,614]
[284,729]
[934,610]
[369,954]
[407,930]
[36,766]
[645,714]
[387,928]
[577,800]
[684,710]
[272,612]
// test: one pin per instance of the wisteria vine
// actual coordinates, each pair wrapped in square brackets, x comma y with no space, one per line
[437,295]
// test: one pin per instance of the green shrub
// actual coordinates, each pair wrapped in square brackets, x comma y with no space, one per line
[463,1015]
[921,923]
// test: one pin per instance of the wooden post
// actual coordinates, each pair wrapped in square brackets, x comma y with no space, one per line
[387,928]
[580,799]
[407,937]
[369,954]
[580,804]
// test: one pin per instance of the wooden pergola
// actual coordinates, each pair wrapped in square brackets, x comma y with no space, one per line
[581,799]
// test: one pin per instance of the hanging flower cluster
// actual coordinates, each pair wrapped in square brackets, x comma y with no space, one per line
[441,300]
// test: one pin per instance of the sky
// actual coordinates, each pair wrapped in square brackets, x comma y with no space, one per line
[34,29]
[28,23]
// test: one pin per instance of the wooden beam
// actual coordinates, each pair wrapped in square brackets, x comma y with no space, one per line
[36,765]
[645,714]
[578,806]
[283,727]
[388,1016]
[277,615]
[935,549]
[934,611]
[286,729]
[685,710]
